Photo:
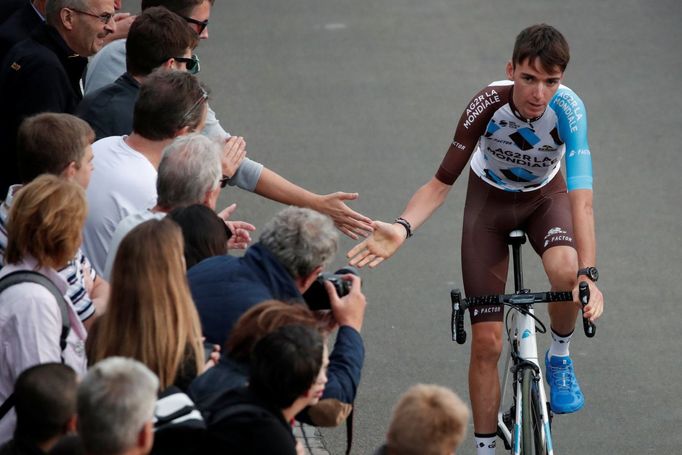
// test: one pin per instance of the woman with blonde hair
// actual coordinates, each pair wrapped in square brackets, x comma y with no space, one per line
[38,324]
[151,317]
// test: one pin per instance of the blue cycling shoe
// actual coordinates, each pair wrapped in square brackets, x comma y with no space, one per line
[565,395]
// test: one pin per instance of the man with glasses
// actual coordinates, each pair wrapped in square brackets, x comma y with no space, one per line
[157,39]
[42,73]
[170,104]
[251,176]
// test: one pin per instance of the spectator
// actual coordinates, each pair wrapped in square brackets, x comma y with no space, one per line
[116,402]
[151,318]
[9,7]
[157,38]
[45,403]
[189,173]
[108,65]
[29,14]
[42,73]
[59,144]
[205,233]
[44,232]
[171,104]
[288,373]
[345,361]
[293,249]
[428,420]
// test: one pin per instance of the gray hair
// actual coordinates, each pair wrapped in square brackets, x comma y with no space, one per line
[301,239]
[189,168]
[53,7]
[115,399]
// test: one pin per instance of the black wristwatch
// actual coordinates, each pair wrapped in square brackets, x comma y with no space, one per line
[590,272]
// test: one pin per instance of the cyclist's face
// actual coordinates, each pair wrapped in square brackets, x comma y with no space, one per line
[533,86]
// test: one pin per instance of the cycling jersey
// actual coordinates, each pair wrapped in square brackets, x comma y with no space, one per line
[516,154]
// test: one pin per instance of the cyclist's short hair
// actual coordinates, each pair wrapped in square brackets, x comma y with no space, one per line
[168,101]
[182,7]
[156,35]
[542,42]
[47,143]
[428,420]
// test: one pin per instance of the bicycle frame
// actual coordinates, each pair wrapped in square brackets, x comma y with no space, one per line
[522,351]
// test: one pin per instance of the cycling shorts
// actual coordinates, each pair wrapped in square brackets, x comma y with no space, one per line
[490,214]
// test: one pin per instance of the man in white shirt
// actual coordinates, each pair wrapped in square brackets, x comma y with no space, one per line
[170,104]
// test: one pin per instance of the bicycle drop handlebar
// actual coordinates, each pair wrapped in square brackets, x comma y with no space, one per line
[520,300]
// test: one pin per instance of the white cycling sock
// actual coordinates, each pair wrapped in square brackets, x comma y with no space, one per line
[560,344]
[485,443]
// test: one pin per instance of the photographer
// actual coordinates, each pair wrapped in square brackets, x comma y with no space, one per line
[293,249]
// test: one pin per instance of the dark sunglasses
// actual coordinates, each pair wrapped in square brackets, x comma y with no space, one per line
[201,25]
[191,63]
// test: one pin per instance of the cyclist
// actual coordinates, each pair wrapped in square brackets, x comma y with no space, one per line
[515,132]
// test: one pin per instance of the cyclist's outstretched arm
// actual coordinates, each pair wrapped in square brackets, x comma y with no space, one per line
[387,238]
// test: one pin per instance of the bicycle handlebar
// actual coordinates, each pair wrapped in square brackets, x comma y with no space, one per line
[459,305]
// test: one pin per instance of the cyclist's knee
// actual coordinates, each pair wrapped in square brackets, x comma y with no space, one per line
[561,265]
[486,342]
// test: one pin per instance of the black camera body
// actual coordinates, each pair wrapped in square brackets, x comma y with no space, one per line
[316,296]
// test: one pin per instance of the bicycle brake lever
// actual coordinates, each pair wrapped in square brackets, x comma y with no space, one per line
[457,319]
[584,296]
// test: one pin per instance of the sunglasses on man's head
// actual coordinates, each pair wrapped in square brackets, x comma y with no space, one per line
[201,25]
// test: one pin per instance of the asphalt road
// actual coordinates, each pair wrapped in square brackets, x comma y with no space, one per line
[363,96]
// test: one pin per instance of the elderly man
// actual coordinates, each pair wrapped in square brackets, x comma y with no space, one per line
[116,402]
[42,73]
[189,173]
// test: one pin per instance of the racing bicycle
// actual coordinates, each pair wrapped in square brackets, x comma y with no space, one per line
[525,428]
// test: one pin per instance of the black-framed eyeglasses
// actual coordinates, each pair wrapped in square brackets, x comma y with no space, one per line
[104,18]
[223,181]
[201,25]
[191,63]
[203,98]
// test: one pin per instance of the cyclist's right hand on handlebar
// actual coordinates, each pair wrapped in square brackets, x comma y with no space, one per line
[594,309]
[382,244]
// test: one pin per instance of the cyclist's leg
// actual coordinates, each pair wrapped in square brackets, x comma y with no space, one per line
[485,256]
[550,231]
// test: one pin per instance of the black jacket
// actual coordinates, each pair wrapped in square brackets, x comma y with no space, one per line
[39,74]
[240,423]
[109,110]
[18,27]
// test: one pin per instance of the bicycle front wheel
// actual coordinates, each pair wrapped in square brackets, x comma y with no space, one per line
[532,438]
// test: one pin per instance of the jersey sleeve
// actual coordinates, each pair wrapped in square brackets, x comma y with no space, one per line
[572,121]
[471,126]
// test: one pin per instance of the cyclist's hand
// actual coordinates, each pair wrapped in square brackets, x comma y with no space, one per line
[350,309]
[595,307]
[382,244]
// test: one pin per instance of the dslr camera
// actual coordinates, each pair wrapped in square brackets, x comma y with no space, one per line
[316,296]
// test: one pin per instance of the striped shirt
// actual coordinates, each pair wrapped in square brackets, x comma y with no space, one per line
[73,273]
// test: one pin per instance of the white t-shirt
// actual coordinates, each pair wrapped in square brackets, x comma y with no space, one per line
[126,225]
[123,183]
